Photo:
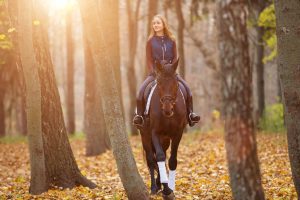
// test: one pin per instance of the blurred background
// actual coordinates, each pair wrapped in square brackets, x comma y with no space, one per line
[193,22]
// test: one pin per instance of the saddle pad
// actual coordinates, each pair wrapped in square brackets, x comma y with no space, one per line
[149,99]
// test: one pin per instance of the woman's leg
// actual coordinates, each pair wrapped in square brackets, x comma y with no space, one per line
[193,118]
[138,119]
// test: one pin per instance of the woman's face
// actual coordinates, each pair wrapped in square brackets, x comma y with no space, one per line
[157,25]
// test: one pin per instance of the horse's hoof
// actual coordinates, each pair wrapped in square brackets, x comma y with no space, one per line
[169,197]
[155,190]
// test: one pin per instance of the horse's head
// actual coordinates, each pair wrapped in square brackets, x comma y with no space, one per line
[167,86]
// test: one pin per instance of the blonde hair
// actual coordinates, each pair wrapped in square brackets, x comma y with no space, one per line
[167,31]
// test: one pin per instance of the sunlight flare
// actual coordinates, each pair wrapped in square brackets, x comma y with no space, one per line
[61,4]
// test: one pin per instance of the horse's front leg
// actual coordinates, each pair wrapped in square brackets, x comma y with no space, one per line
[161,162]
[173,161]
[147,146]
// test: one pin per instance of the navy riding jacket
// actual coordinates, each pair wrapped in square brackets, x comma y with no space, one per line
[160,48]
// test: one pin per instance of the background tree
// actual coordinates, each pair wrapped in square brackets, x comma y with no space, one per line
[70,104]
[257,7]
[236,91]
[180,34]
[38,181]
[111,105]
[288,30]
[97,140]
[95,128]
[133,15]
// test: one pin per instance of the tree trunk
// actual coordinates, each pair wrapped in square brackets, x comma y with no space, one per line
[2,114]
[131,76]
[70,74]
[236,91]
[12,12]
[288,32]
[38,181]
[180,31]
[61,168]
[97,139]
[106,81]
[152,10]
[260,81]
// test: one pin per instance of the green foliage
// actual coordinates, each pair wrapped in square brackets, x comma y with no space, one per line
[77,136]
[272,120]
[6,32]
[267,20]
[13,139]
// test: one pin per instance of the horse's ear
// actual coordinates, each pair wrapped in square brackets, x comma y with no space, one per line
[175,64]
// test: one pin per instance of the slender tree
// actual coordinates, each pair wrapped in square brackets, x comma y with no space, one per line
[12,13]
[111,105]
[133,15]
[152,10]
[180,32]
[97,139]
[257,6]
[33,99]
[288,31]
[240,139]
[70,101]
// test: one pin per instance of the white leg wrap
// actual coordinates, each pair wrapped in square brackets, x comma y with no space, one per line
[171,182]
[162,172]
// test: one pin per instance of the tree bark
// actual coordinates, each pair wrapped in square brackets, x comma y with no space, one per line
[288,32]
[97,139]
[152,10]
[70,74]
[38,181]
[131,75]
[236,91]
[180,32]
[2,114]
[61,168]
[106,81]
[260,80]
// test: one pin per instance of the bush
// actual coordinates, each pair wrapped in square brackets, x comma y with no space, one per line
[272,120]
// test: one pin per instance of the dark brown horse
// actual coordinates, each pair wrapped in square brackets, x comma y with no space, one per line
[167,119]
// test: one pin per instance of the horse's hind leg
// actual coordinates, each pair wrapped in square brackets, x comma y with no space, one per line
[161,161]
[173,161]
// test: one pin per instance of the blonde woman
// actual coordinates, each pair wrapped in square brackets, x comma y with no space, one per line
[161,47]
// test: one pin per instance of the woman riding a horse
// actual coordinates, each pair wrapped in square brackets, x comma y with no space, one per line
[168,109]
[161,47]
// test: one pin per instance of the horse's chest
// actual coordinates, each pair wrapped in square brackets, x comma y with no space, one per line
[169,126]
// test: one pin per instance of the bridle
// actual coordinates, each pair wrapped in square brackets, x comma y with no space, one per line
[171,98]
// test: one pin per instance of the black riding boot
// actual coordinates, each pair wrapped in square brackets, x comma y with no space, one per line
[138,119]
[193,118]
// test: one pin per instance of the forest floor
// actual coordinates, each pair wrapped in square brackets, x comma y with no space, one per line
[201,171]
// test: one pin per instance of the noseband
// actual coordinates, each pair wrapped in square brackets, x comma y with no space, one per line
[168,97]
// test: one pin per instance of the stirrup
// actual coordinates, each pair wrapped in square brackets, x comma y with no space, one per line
[190,118]
[138,125]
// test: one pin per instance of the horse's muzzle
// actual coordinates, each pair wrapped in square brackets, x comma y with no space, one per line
[168,113]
